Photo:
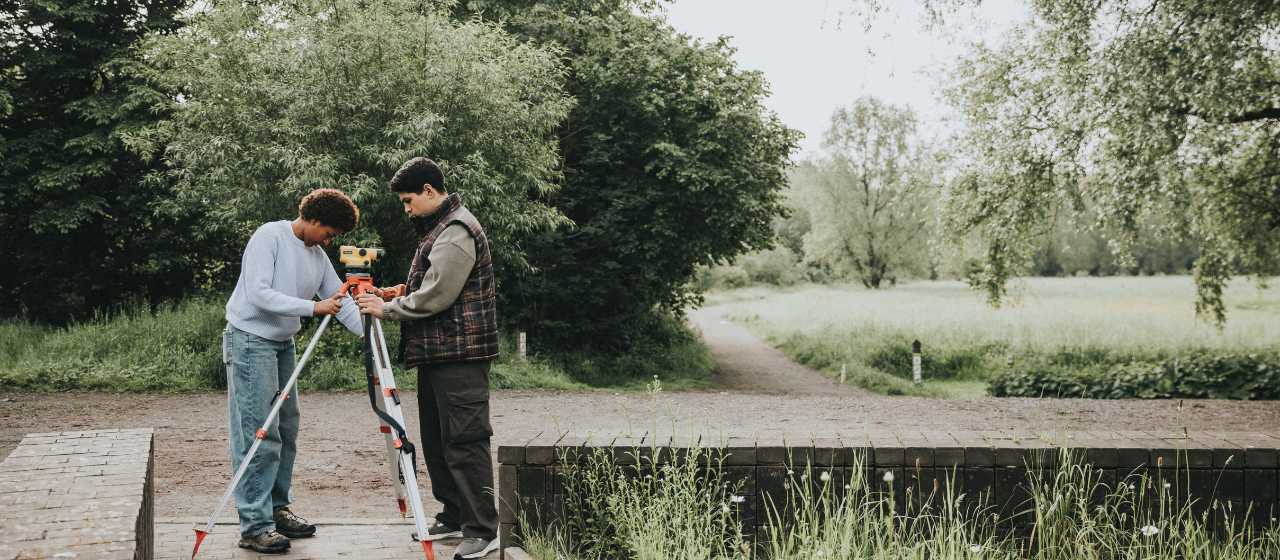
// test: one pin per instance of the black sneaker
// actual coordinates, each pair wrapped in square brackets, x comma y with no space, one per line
[474,548]
[437,531]
[267,542]
[292,526]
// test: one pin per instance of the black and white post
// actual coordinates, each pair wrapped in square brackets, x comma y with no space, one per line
[915,361]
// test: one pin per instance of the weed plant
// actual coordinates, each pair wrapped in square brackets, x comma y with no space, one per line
[651,509]
[1069,514]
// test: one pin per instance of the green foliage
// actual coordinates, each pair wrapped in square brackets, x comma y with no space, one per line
[1147,113]
[276,100]
[865,198]
[1070,512]
[670,162]
[611,516]
[83,228]
[1200,376]
[178,348]
[778,266]
[1064,250]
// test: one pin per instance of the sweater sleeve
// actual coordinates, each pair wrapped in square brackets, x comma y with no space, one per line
[259,268]
[452,257]
[350,312]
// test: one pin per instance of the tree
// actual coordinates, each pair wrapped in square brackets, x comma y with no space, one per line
[670,162]
[80,224]
[865,197]
[1143,112]
[277,100]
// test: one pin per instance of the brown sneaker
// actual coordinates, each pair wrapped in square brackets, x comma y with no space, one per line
[292,526]
[267,542]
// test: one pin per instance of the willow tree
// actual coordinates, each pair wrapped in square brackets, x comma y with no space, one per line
[275,100]
[1150,113]
[865,195]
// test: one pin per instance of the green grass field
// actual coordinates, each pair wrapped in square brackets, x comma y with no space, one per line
[869,332]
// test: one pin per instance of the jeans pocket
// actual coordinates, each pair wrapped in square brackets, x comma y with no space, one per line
[226,346]
[469,415]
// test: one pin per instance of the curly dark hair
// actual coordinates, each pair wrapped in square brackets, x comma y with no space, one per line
[415,173]
[331,208]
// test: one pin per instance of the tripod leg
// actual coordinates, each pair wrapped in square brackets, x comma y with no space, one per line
[391,402]
[393,456]
[275,410]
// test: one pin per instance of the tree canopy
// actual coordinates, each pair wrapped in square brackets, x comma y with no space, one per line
[670,162]
[275,100]
[865,197]
[1149,112]
[81,224]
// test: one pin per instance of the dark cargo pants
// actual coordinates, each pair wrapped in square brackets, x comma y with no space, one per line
[453,413]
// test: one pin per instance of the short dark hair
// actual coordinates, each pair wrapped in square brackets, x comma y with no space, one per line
[331,208]
[415,173]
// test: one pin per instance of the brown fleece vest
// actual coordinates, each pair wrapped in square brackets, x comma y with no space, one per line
[468,330]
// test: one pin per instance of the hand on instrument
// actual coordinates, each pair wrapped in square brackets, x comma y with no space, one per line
[328,306]
[370,304]
[388,294]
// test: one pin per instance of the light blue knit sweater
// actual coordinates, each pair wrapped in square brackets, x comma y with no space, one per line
[279,275]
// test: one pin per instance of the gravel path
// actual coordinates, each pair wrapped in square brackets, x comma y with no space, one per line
[341,468]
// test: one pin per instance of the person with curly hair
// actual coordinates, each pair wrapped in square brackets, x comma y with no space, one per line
[283,268]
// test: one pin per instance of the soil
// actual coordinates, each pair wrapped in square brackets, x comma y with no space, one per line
[342,471]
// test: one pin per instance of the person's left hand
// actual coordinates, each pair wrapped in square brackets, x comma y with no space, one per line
[370,304]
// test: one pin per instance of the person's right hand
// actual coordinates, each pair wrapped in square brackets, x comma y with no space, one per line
[328,306]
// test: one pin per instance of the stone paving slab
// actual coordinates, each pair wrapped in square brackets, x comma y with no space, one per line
[335,539]
[84,494]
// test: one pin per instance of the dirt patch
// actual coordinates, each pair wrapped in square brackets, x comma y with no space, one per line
[341,469]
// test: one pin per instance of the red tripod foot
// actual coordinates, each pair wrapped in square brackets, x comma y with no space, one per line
[403,510]
[200,535]
[426,547]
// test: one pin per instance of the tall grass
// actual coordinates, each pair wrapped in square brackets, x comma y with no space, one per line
[178,347]
[681,510]
[1086,320]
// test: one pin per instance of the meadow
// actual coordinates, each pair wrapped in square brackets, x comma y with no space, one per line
[1082,321]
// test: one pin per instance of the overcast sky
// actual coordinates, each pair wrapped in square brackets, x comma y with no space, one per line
[815,59]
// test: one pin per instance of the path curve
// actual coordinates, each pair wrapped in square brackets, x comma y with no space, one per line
[750,365]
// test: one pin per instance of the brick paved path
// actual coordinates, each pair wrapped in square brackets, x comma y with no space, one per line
[335,539]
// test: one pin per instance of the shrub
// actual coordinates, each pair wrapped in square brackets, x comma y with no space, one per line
[1201,375]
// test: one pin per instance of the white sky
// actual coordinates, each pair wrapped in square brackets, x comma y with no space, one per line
[815,59]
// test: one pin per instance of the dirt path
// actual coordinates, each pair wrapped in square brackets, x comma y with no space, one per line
[748,365]
[341,470]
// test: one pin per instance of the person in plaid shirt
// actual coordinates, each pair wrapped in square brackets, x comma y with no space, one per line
[449,331]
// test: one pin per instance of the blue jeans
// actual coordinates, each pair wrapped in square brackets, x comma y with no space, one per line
[256,370]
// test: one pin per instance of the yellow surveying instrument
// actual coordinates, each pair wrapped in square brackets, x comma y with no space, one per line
[384,397]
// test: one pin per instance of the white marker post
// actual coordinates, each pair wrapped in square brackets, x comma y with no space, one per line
[520,346]
[915,361]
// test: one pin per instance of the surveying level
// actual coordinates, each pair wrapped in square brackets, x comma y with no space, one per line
[383,396]
[360,257]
